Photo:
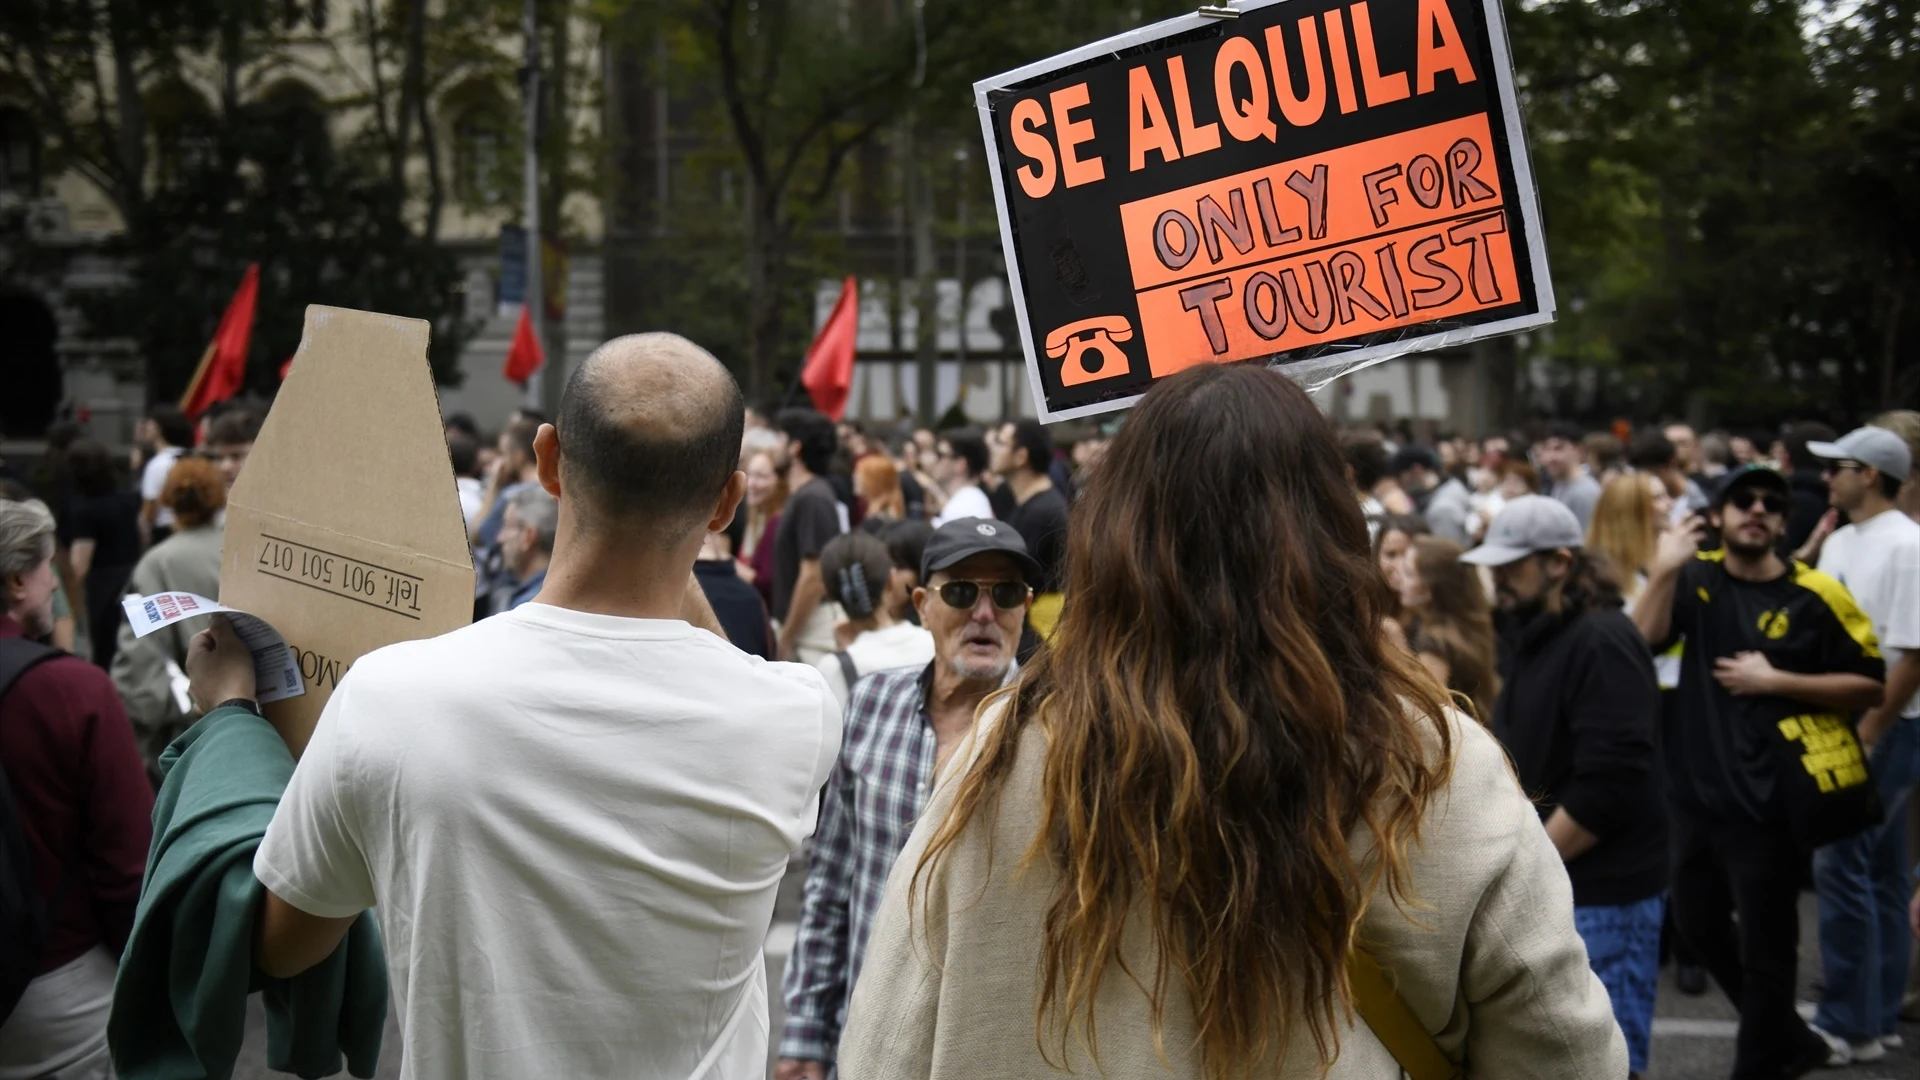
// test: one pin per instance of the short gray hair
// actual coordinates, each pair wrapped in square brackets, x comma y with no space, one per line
[538,510]
[26,537]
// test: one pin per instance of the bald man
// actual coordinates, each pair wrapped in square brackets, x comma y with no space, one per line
[570,818]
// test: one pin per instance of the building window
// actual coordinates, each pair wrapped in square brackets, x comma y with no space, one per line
[482,161]
[19,153]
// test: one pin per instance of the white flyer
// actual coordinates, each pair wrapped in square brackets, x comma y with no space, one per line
[276,670]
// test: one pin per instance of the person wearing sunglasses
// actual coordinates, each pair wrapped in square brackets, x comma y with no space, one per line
[1863,880]
[1778,660]
[901,727]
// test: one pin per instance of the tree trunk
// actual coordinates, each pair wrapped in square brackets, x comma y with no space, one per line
[413,78]
[766,274]
[130,150]
[926,343]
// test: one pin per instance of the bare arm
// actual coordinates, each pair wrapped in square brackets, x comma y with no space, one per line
[288,941]
[1903,682]
[1750,674]
[808,591]
[1653,609]
[1569,839]
[80,557]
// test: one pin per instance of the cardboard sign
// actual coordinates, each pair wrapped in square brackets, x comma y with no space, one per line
[344,530]
[1323,184]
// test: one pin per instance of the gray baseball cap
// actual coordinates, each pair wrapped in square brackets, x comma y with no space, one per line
[1873,446]
[1528,524]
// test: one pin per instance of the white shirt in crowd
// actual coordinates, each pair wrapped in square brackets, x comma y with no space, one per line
[1878,560]
[153,479]
[573,826]
[967,502]
[897,646]
[472,496]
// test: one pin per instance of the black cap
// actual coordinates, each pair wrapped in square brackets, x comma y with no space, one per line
[963,538]
[1754,475]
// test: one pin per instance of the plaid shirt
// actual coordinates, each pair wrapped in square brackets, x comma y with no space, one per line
[875,793]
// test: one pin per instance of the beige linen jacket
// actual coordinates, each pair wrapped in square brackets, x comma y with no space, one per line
[1492,967]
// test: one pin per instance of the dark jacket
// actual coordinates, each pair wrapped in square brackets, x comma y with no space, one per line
[1803,516]
[1579,711]
[180,1002]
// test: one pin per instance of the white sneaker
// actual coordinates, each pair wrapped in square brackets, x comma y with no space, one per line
[1841,1052]
[1807,1010]
[1893,1042]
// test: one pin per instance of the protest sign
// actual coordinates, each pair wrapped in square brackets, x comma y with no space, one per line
[344,531]
[276,674]
[1322,184]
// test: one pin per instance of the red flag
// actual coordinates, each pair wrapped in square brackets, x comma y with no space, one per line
[223,367]
[828,374]
[525,356]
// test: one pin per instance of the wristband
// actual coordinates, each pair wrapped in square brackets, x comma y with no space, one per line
[243,703]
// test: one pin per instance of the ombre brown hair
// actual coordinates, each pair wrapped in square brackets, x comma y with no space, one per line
[1234,750]
[1457,622]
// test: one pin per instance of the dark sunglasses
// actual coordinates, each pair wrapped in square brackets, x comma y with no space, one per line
[1744,499]
[1007,595]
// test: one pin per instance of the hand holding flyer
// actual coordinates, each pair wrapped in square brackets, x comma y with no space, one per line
[276,672]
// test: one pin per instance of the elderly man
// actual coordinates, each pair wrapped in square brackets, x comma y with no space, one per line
[526,544]
[901,727]
[572,818]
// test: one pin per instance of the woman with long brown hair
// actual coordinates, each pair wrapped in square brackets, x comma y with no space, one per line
[1155,852]
[1450,620]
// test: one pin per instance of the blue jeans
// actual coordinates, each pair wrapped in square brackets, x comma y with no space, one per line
[1864,887]
[1623,947]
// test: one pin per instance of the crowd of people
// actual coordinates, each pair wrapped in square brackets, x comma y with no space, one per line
[1236,696]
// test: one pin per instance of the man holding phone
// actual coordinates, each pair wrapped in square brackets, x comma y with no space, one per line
[1770,646]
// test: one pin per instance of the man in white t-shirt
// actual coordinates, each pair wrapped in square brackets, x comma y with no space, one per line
[962,461]
[572,818]
[171,434]
[1863,881]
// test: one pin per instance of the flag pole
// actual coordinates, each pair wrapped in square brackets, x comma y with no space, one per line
[535,295]
[199,374]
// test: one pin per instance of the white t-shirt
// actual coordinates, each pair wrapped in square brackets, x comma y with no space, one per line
[1878,560]
[472,495]
[574,826]
[968,502]
[153,479]
[897,646]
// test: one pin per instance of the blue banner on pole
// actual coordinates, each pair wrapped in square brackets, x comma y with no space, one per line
[513,266]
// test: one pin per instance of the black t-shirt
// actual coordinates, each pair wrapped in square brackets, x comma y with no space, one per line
[736,605]
[112,522]
[1720,753]
[1042,522]
[810,520]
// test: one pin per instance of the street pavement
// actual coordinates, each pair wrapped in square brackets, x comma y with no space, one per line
[1692,1037]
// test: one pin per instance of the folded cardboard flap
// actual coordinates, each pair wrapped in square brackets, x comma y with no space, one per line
[344,530]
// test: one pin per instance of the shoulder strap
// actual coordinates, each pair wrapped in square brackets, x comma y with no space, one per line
[847,670]
[1393,1023]
[16,656]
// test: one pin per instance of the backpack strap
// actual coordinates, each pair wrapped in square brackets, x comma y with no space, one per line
[1393,1022]
[19,654]
[847,670]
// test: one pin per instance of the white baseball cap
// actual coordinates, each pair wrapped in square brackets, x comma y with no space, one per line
[1873,446]
[1528,524]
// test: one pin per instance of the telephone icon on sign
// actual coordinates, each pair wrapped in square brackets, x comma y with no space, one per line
[1070,343]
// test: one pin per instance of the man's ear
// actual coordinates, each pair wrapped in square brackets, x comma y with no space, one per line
[920,598]
[1559,564]
[729,504]
[546,454]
